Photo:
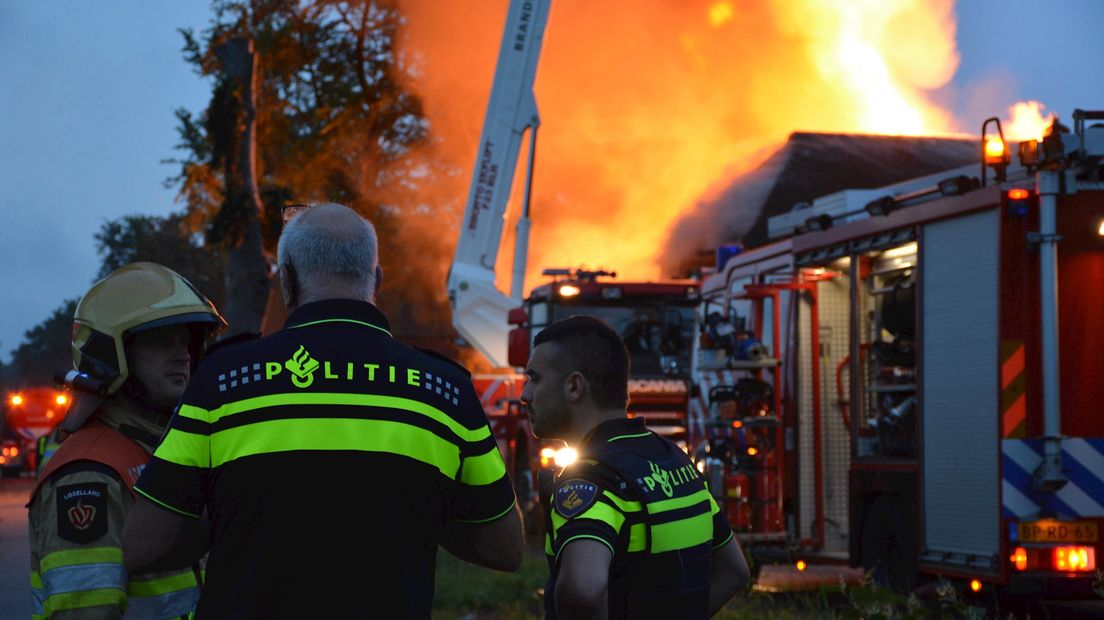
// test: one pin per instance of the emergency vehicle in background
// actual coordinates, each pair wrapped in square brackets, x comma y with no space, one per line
[28,414]
[931,407]
[656,318]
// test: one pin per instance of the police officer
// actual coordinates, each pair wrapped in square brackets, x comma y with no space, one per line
[137,336]
[331,459]
[632,530]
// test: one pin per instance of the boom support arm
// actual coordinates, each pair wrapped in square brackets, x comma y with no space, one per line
[479,308]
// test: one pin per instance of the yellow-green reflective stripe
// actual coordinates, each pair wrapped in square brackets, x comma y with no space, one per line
[682,534]
[190,449]
[484,468]
[36,579]
[352,400]
[675,503]
[498,516]
[624,505]
[335,434]
[582,537]
[185,449]
[89,598]
[638,537]
[366,324]
[164,505]
[161,585]
[613,439]
[599,512]
[76,557]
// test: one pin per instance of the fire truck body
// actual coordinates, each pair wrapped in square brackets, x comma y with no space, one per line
[29,414]
[928,405]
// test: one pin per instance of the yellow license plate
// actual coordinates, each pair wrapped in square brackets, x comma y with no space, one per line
[1049,530]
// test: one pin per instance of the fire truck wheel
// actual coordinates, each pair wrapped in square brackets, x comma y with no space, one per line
[888,555]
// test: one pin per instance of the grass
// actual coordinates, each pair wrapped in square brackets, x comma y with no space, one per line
[468,592]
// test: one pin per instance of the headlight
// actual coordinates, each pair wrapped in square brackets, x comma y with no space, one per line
[560,457]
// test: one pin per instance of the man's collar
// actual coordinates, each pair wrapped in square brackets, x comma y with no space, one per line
[336,310]
[604,432]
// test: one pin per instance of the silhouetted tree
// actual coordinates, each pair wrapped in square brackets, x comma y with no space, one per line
[333,123]
[129,239]
[45,349]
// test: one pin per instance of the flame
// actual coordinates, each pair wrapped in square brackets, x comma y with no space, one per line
[1028,122]
[648,107]
[720,13]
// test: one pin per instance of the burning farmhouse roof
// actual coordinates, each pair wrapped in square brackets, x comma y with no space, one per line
[807,166]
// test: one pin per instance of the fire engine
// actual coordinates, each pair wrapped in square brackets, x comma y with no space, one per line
[904,378]
[656,318]
[29,414]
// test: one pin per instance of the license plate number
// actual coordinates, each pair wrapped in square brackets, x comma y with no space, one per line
[1059,531]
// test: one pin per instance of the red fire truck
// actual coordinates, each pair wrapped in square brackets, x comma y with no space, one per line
[929,407]
[28,414]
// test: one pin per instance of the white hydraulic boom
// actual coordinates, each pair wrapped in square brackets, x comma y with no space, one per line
[479,308]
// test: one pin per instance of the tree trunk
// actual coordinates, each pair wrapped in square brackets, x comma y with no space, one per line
[248,277]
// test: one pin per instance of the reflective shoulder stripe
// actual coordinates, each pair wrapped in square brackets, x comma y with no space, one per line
[582,537]
[600,511]
[37,595]
[683,533]
[679,502]
[336,434]
[84,555]
[162,596]
[84,599]
[483,469]
[84,577]
[314,399]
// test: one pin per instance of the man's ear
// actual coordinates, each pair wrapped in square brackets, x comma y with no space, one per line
[379,279]
[576,386]
[289,286]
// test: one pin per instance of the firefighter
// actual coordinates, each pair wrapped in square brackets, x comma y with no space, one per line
[332,460]
[45,447]
[137,336]
[632,530]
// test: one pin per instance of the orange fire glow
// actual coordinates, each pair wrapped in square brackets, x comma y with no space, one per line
[650,107]
[1028,121]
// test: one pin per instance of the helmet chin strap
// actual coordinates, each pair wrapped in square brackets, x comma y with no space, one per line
[84,405]
[136,391]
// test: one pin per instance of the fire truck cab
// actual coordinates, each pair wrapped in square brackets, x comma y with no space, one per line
[655,319]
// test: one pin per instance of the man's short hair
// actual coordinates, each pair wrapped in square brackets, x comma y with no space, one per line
[318,255]
[596,351]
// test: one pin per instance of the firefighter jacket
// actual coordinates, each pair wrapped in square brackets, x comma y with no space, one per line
[639,494]
[77,510]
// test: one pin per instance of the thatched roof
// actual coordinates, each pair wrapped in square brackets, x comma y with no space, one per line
[806,167]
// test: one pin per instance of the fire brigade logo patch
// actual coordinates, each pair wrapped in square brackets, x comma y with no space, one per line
[575,496]
[82,511]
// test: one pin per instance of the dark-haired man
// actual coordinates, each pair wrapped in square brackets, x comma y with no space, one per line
[632,530]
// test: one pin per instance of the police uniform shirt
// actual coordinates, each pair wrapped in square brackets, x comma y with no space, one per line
[594,499]
[328,457]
